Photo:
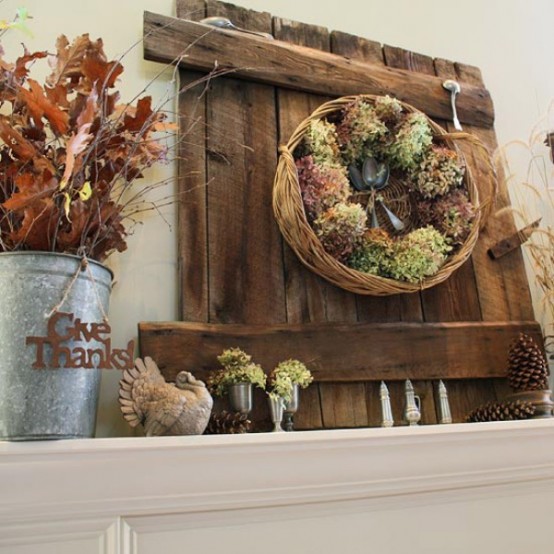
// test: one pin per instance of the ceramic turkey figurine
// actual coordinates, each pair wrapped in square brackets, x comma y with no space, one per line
[182,408]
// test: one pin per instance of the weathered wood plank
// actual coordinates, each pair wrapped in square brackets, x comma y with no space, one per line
[245,247]
[190,9]
[343,405]
[277,63]
[306,293]
[502,284]
[342,351]
[191,186]
[356,48]
[456,299]
[192,183]
[246,278]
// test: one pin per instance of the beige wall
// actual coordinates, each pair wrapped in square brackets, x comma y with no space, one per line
[510,40]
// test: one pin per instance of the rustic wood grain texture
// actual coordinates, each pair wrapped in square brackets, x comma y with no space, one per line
[343,351]
[458,298]
[246,280]
[502,284]
[190,9]
[356,48]
[278,63]
[245,247]
[343,405]
[192,214]
[306,293]
[191,186]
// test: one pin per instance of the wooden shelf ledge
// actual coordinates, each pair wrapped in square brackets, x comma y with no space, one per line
[342,352]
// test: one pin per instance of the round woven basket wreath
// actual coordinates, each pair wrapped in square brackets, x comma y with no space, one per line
[291,215]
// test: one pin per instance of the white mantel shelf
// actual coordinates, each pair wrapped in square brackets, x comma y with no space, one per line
[343,470]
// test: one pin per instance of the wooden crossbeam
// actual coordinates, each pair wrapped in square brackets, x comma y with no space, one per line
[201,47]
[343,352]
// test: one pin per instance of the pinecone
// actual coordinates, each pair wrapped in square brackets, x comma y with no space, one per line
[228,423]
[502,411]
[527,366]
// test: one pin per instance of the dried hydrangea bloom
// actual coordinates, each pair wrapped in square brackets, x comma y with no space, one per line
[388,109]
[418,255]
[412,140]
[341,228]
[452,214]
[360,132]
[321,142]
[321,186]
[440,171]
[372,255]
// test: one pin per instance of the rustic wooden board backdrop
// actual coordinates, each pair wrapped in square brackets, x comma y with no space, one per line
[235,267]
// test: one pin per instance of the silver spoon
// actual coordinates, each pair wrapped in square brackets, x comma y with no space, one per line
[398,224]
[369,175]
[455,89]
[225,23]
[376,176]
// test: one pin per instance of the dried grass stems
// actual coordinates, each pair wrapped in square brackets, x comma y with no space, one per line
[71,152]
[529,173]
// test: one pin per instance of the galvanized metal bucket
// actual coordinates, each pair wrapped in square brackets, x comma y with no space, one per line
[48,403]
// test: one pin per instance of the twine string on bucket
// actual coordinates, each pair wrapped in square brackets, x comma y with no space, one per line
[83,266]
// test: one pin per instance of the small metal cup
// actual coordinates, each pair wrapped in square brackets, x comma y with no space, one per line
[276,408]
[240,397]
[291,408]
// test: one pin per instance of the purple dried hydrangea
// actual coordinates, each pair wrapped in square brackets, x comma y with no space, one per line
[453,215]
[341,228]
[438,172]
[321,186]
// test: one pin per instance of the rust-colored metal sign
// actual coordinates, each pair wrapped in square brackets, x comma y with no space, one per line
[73,343]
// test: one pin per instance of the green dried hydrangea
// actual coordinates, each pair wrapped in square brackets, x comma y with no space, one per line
[453,215]
[237,368]
[287,374]
[341,228]
[418,255]
[388,109]
[373,253]
[360,132]
[321,141]
[321,186]
[412,140]
[437,173]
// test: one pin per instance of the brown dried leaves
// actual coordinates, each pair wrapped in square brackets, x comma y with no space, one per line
[66,137]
